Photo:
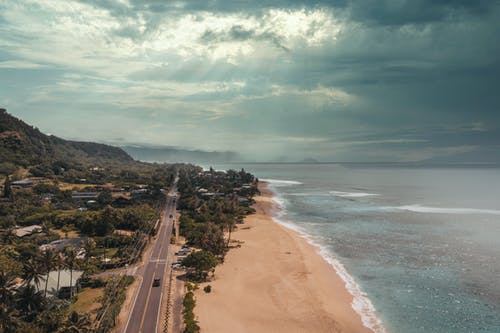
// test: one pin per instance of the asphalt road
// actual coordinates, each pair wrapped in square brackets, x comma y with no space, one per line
[145,314]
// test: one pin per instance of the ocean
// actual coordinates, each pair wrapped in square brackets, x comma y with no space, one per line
[419,248]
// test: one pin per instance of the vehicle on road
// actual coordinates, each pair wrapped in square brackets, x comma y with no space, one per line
[156,282]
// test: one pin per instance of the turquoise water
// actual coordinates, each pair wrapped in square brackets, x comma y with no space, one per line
[423,245]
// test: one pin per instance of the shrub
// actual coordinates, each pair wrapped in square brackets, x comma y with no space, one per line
[207,289]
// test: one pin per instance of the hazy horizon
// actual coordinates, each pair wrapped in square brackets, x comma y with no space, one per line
[288,80]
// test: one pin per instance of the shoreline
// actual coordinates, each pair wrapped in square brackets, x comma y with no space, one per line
[277,281]
[361,304]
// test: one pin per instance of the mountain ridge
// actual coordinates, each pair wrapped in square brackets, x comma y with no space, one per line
[24,145]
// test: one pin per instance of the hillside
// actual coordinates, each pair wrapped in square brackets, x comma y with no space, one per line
[23,145]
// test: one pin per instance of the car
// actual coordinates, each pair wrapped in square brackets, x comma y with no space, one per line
[156,282]
[177,265]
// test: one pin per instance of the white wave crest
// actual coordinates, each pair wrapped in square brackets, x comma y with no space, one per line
[352,194]
[281,182]
[360,303]
[440,210]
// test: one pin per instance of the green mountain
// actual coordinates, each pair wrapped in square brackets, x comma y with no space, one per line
[22,145]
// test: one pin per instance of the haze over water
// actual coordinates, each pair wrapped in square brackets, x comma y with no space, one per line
[422,243]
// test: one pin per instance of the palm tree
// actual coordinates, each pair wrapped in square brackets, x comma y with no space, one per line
[6,285]
[30,302]
[59,264]
[32,272]
[88,245]
[72,263]
[47,259]
[46,228]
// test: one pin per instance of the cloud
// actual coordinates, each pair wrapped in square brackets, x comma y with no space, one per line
[19,64]
[342,79]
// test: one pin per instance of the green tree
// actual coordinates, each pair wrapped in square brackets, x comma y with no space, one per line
[104,198]
[72,263]
[88,245]
[48,262]
[7,191]
[60,263]
[6,287]
[30,302]
[33,271]
[201,262]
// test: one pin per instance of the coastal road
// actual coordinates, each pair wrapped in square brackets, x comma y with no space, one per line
[145,314]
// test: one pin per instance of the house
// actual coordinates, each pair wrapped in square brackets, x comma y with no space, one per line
[26,231]
[67,280]
[22,183]
[60,244]
[84,195]
[138,193]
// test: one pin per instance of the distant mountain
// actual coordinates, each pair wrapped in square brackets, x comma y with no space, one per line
[24,145]
[171,154]
[309,160]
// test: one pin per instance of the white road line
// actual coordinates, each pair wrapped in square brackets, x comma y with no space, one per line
[135,300]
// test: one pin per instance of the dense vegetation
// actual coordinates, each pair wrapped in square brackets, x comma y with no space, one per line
[188,303]
[212,204]
[88,207]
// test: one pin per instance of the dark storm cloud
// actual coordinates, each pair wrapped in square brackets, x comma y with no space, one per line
[401,79]
[239,33]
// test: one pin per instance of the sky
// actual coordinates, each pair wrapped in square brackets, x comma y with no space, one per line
[283,80]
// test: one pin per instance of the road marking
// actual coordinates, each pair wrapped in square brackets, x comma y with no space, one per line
[135,300]
[156,261]
[163,231]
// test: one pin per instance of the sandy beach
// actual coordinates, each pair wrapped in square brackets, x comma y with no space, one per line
[275,282]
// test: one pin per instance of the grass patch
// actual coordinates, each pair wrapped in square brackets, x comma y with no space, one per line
[62,234]
[110,252]
[68,186]
[88,300]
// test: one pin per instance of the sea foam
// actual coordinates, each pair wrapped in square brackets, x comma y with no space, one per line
[281,182]
[360,303]
[352,194]
[442,210]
